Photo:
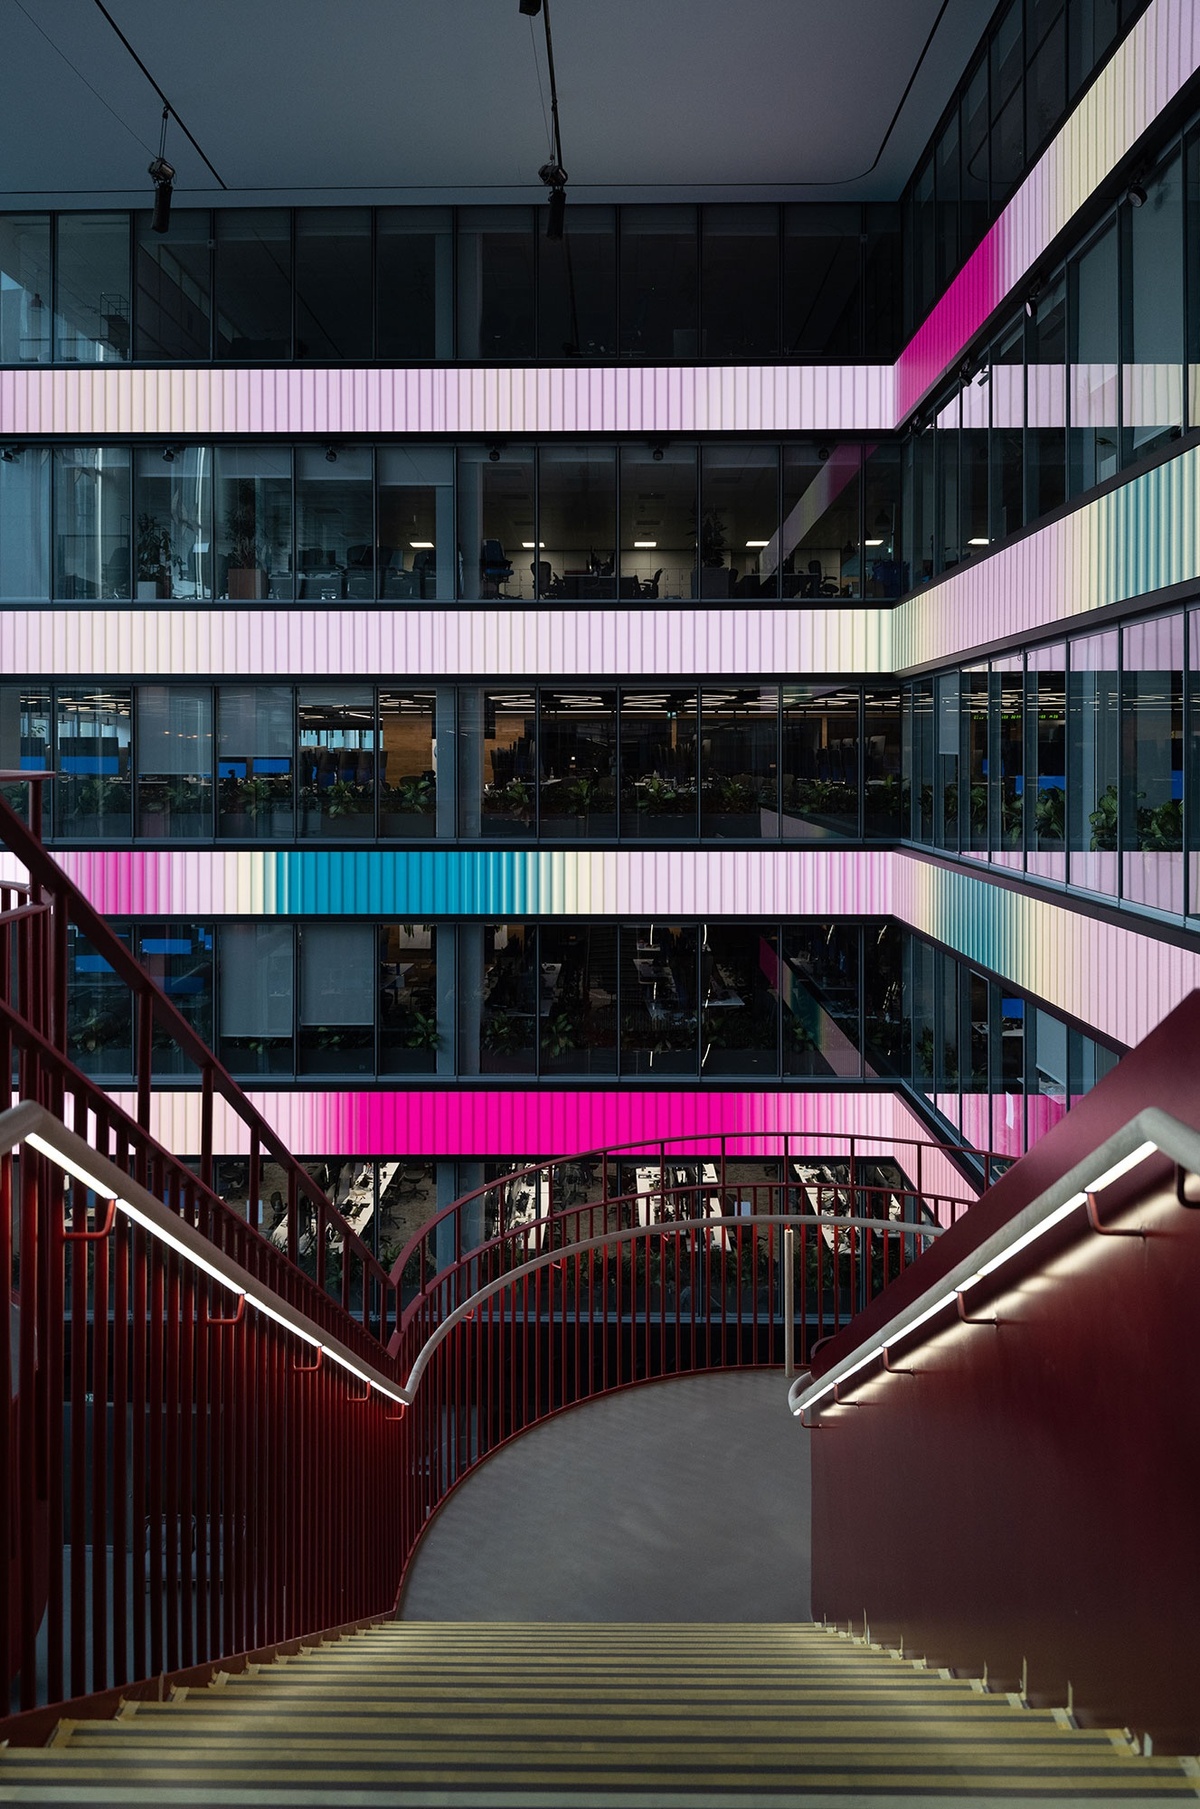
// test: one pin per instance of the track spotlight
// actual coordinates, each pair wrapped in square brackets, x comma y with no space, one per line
[169,454]
[331,454]
[494,455]
[984,376]
[162,174]
[966,370]
[1031,300]
[822,453]
[1135,194]
[10,454]
[657,455]
[916,424]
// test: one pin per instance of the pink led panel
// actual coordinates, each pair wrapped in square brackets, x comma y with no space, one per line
[605,642]
[688,399]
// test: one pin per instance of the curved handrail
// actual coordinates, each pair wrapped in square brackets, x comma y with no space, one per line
[1148,1133]
[548,1259]
[852,1147]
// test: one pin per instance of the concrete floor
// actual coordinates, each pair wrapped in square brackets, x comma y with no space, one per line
[679,1500]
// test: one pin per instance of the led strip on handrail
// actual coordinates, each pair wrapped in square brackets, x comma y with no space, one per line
[1151,1132]
[33,1124]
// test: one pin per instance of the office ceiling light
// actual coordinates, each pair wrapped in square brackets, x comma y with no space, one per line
[421,546]
[644,546]
[162,174]
[530,546]
[873,543]
[976,540]
[758,543]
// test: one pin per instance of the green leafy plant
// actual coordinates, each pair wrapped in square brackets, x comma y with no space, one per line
[657,796]
[420,1030]
[503,1033]
[246,550]
[255,796]
[515,799]
[1103,821]
[417,795]
[562,1032]
[344,799]
[1050,815]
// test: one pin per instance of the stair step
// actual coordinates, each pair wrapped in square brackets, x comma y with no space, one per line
[589,1715]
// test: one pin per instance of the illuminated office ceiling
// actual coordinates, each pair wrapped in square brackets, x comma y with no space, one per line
[342,100]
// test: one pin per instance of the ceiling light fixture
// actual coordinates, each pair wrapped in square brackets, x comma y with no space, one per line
[758,543]
[644,546]
[873,543]
[421,546]
[1031,300]
[162,174]
[1135,194]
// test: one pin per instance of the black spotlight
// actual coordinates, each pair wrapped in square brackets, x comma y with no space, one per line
[1135,194]
[163,174]
[9,454]
[494,455]
[168,455]
[531,8]
[331,454]
[822,453]
[657,455]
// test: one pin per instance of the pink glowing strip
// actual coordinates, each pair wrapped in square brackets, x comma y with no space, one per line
[521,400]
[534,1122]
[516,641]
[1149,68]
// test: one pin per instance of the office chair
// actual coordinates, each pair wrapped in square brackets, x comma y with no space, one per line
[494,568]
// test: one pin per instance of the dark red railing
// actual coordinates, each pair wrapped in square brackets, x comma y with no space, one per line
[188,1482]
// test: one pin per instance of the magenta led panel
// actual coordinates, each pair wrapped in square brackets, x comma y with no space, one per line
[664,399]
[1144,75]
[163,641]
[530,1122]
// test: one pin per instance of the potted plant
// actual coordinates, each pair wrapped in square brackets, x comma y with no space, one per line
[406,807]
[246,576]
[155,559]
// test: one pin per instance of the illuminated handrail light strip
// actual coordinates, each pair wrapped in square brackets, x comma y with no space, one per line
[33,1124]
[1149,1132]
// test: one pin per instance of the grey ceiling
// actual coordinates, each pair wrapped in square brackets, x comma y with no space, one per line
[311,100]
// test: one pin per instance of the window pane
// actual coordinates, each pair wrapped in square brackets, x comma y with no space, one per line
[578,998]
[254,761]
[91,511]
[658,282]
[882,287]
[658,764]
[820,762]
[499,1000]
[577,524]
[24,288]
[740,276]
[976,690]
[739,1004]
[99,1011]
[495,518]
[335,532]
[91,307]
[173,548]
[1008,761]
[93,791]
[659,1015]
[1152,772]
[506,787]
[415,555]
[256,997]
[1095,355]
[25,740]
[254,283]
[821,281]
[658,521]
[739,753]
[1007,388]
[976,188]
[25,524]
[495,283]
[882,801]
[179,957]
[175,762]
[409,1036]
[1152,386]
[882,1000]
[1046,404]
[1192,783]
[337,998]
[818,985]
[254,521]
[1094,730]
[333,283]
[881,511]
[1047,720]
[335,733]
[578,754]
[414,264]
[1046,87]
[577,287]
[947,185]
[174,287]
[819,541]
[407,770]
[739,539]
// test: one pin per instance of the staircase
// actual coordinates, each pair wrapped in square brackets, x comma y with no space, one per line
[514,1714]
